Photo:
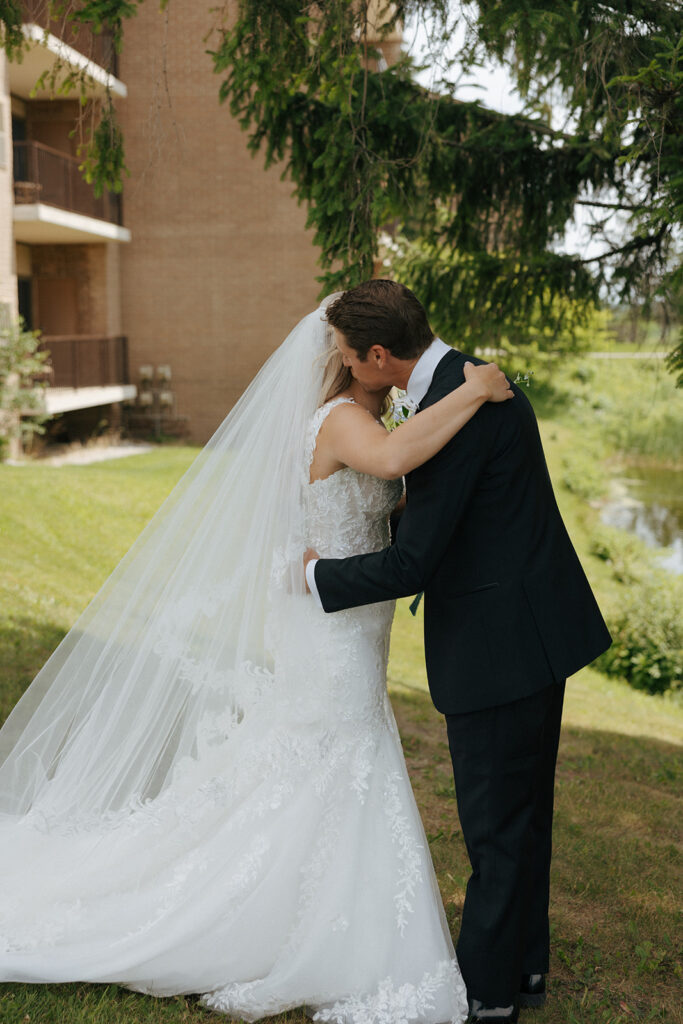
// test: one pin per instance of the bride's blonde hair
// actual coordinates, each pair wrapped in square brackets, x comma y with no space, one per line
[336,376]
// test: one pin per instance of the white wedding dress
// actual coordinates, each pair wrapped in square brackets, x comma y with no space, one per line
[285,867]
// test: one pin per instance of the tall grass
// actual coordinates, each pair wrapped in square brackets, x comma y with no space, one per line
[624,409]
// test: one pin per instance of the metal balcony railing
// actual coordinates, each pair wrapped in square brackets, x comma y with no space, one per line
[96,47]
[44,175]
[86,361]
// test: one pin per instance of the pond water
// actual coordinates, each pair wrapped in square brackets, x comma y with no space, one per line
[649,503]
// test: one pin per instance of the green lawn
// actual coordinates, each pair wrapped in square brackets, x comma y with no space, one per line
[62,531]
[616,868]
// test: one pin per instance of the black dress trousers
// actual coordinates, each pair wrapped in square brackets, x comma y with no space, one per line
[504,768]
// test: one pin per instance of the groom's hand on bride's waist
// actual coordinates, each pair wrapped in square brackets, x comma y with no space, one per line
[309,556]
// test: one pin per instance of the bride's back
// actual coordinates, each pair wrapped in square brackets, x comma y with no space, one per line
[347,512]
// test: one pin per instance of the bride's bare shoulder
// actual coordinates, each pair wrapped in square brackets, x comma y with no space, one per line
[341,419]
[342,410]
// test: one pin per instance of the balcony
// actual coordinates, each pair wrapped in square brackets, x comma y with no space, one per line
[57,44]
[45,175]
[86,371]
[98,48]
[86,361]
[53,204]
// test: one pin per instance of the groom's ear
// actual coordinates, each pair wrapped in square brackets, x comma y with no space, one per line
[378,354]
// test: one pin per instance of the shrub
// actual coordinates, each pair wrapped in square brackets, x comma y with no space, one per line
[582,472]
[621,550]
[647,631]
[21,363]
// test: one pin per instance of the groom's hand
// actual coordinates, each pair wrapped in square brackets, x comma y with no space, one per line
[308,555]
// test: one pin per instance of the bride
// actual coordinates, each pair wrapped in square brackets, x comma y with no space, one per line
[203,789]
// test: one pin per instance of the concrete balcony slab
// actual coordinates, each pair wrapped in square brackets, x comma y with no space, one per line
[58,400]
[46,53]
[38,223]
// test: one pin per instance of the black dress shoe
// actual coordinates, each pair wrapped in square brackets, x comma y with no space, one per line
[482,1014]
[532,990]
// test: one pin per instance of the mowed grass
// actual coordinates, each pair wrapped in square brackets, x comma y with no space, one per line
[617,865]
[616,877]
[62,531]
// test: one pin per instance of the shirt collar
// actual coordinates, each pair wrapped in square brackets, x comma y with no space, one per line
[423,371]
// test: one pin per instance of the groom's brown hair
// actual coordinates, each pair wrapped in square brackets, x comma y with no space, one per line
[382,312]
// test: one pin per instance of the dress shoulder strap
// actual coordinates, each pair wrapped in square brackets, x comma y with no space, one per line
[316,422]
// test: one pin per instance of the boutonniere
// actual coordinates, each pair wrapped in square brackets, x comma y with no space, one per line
[524,378]
[402,409]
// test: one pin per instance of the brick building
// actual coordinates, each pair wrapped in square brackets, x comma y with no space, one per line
[220,266]
[200,270]
[60,246]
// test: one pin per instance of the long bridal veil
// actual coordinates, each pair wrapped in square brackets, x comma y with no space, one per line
[183,633]
[203,790]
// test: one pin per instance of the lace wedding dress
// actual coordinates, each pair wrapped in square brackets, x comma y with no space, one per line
[284,863]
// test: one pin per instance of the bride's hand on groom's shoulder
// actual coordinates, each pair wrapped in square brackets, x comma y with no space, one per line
[495,385]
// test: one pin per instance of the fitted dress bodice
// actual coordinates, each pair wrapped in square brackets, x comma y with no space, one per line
[347,513]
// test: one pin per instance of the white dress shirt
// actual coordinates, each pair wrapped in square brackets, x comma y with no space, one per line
[418,386]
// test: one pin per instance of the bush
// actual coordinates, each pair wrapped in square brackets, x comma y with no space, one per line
[22,365]
[647,632]
[619,549]
[582,475]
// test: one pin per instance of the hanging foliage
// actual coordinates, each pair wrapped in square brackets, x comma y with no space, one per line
[480,200]
[100,141]
[10,27]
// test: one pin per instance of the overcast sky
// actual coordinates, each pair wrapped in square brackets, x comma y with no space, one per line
[491,85]
[494,88]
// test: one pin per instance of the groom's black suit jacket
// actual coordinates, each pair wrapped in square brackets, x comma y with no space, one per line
[508,608]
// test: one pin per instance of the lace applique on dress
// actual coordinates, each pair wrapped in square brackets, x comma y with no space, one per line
[402,1004]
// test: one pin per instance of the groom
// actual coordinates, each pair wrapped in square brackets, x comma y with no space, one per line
[508,616]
